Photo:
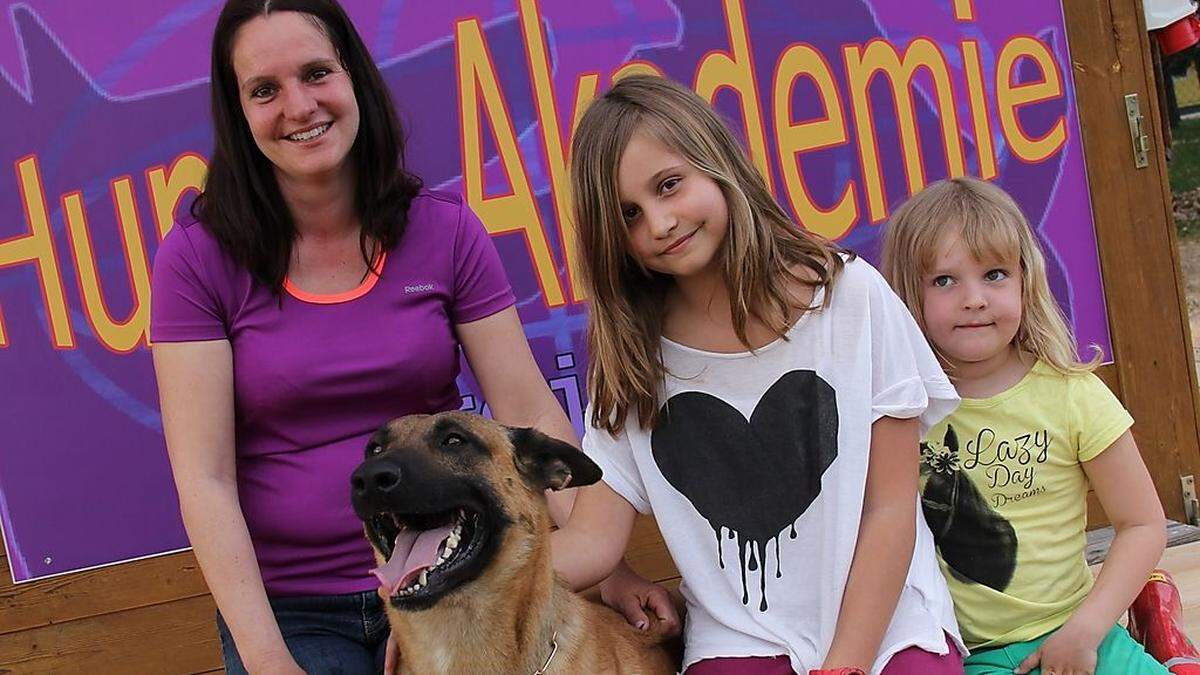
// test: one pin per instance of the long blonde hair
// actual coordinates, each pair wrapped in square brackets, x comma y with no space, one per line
[761,247]
[990,224]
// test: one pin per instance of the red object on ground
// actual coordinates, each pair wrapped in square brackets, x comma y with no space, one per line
[1178,36]
[1155,620]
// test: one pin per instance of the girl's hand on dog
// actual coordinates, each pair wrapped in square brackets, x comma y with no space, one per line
[631,595]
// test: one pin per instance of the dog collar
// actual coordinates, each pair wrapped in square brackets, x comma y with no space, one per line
[549,659]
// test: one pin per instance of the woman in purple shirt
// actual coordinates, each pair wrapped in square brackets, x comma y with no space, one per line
[316,292]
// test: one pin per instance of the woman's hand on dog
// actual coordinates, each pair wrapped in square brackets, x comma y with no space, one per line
[391,658]
[391,654]
[632,595]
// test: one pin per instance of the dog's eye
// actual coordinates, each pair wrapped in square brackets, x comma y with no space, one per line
[374,449]
[453,439]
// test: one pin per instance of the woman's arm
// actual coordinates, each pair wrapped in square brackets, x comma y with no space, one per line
[517,393]
[883,553]
[1127,494]
[514,387]
[195,388]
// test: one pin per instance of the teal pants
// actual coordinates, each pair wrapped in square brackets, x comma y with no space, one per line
[1118,654]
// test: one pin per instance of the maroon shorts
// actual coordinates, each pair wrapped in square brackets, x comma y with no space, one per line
[911,661]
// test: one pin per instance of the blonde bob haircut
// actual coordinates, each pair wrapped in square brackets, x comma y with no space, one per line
[991,226]
[763,247]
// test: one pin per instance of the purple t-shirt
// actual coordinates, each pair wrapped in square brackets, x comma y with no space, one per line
[315,376]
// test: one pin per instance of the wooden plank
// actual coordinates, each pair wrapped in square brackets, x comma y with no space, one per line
[1108,375]
[1099,540]
[1171,269]
[647,554]
[1132,212]
[174,637]
[1095,512]
[103,591]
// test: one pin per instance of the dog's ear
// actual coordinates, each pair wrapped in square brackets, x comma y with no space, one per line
[548,463]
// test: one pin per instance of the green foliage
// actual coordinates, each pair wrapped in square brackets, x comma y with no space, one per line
[1184,172]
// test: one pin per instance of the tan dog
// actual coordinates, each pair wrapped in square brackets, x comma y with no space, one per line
[454,506]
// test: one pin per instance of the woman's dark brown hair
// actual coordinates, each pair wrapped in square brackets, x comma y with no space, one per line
[241,204]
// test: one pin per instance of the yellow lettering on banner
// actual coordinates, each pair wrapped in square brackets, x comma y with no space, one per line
[119,336]
[518,210]
[585,93]
[636,68]
[38,247]
[552,140]
[802,60]
[979,110]
[964,10]
[735,70]
[167,187]
[881,57]
[1011,96]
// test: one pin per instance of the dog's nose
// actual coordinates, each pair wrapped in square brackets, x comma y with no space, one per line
[375,478]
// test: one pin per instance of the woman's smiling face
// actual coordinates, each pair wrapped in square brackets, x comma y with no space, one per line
[297,97]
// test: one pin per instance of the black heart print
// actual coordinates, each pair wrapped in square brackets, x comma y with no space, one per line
[978,544]
[754,478]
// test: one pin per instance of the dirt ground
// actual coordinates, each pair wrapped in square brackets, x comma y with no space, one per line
[1189,259]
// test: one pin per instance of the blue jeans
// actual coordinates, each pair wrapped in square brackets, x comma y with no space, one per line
[334,634]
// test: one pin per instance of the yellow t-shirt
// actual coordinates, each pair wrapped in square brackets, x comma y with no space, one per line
[1004,492]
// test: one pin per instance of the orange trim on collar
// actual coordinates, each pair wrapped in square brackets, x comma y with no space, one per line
[335,298]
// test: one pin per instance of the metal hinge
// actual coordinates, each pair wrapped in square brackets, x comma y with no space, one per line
[1191,506]
[1141,142]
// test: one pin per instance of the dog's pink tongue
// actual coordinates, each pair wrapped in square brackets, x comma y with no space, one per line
[413,552]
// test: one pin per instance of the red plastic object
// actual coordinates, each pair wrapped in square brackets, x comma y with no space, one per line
[1178,36]
[1155,620]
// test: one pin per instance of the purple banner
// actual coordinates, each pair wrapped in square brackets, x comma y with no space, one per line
[847,108]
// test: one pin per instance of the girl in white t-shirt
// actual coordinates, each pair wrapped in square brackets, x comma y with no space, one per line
[762,393]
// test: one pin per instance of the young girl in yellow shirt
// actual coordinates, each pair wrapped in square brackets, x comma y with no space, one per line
[1005,477]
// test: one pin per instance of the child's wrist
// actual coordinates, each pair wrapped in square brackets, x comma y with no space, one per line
[1088,628]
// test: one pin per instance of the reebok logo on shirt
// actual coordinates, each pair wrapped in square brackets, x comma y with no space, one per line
[419,288]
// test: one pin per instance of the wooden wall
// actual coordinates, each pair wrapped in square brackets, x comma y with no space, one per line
[153,616]
[1153,372]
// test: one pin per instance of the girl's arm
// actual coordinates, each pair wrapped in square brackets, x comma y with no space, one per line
[1127,494]
[886,536]
[195,388]
[590,546]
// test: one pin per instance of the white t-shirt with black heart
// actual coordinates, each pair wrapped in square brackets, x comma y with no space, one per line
[756,472]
